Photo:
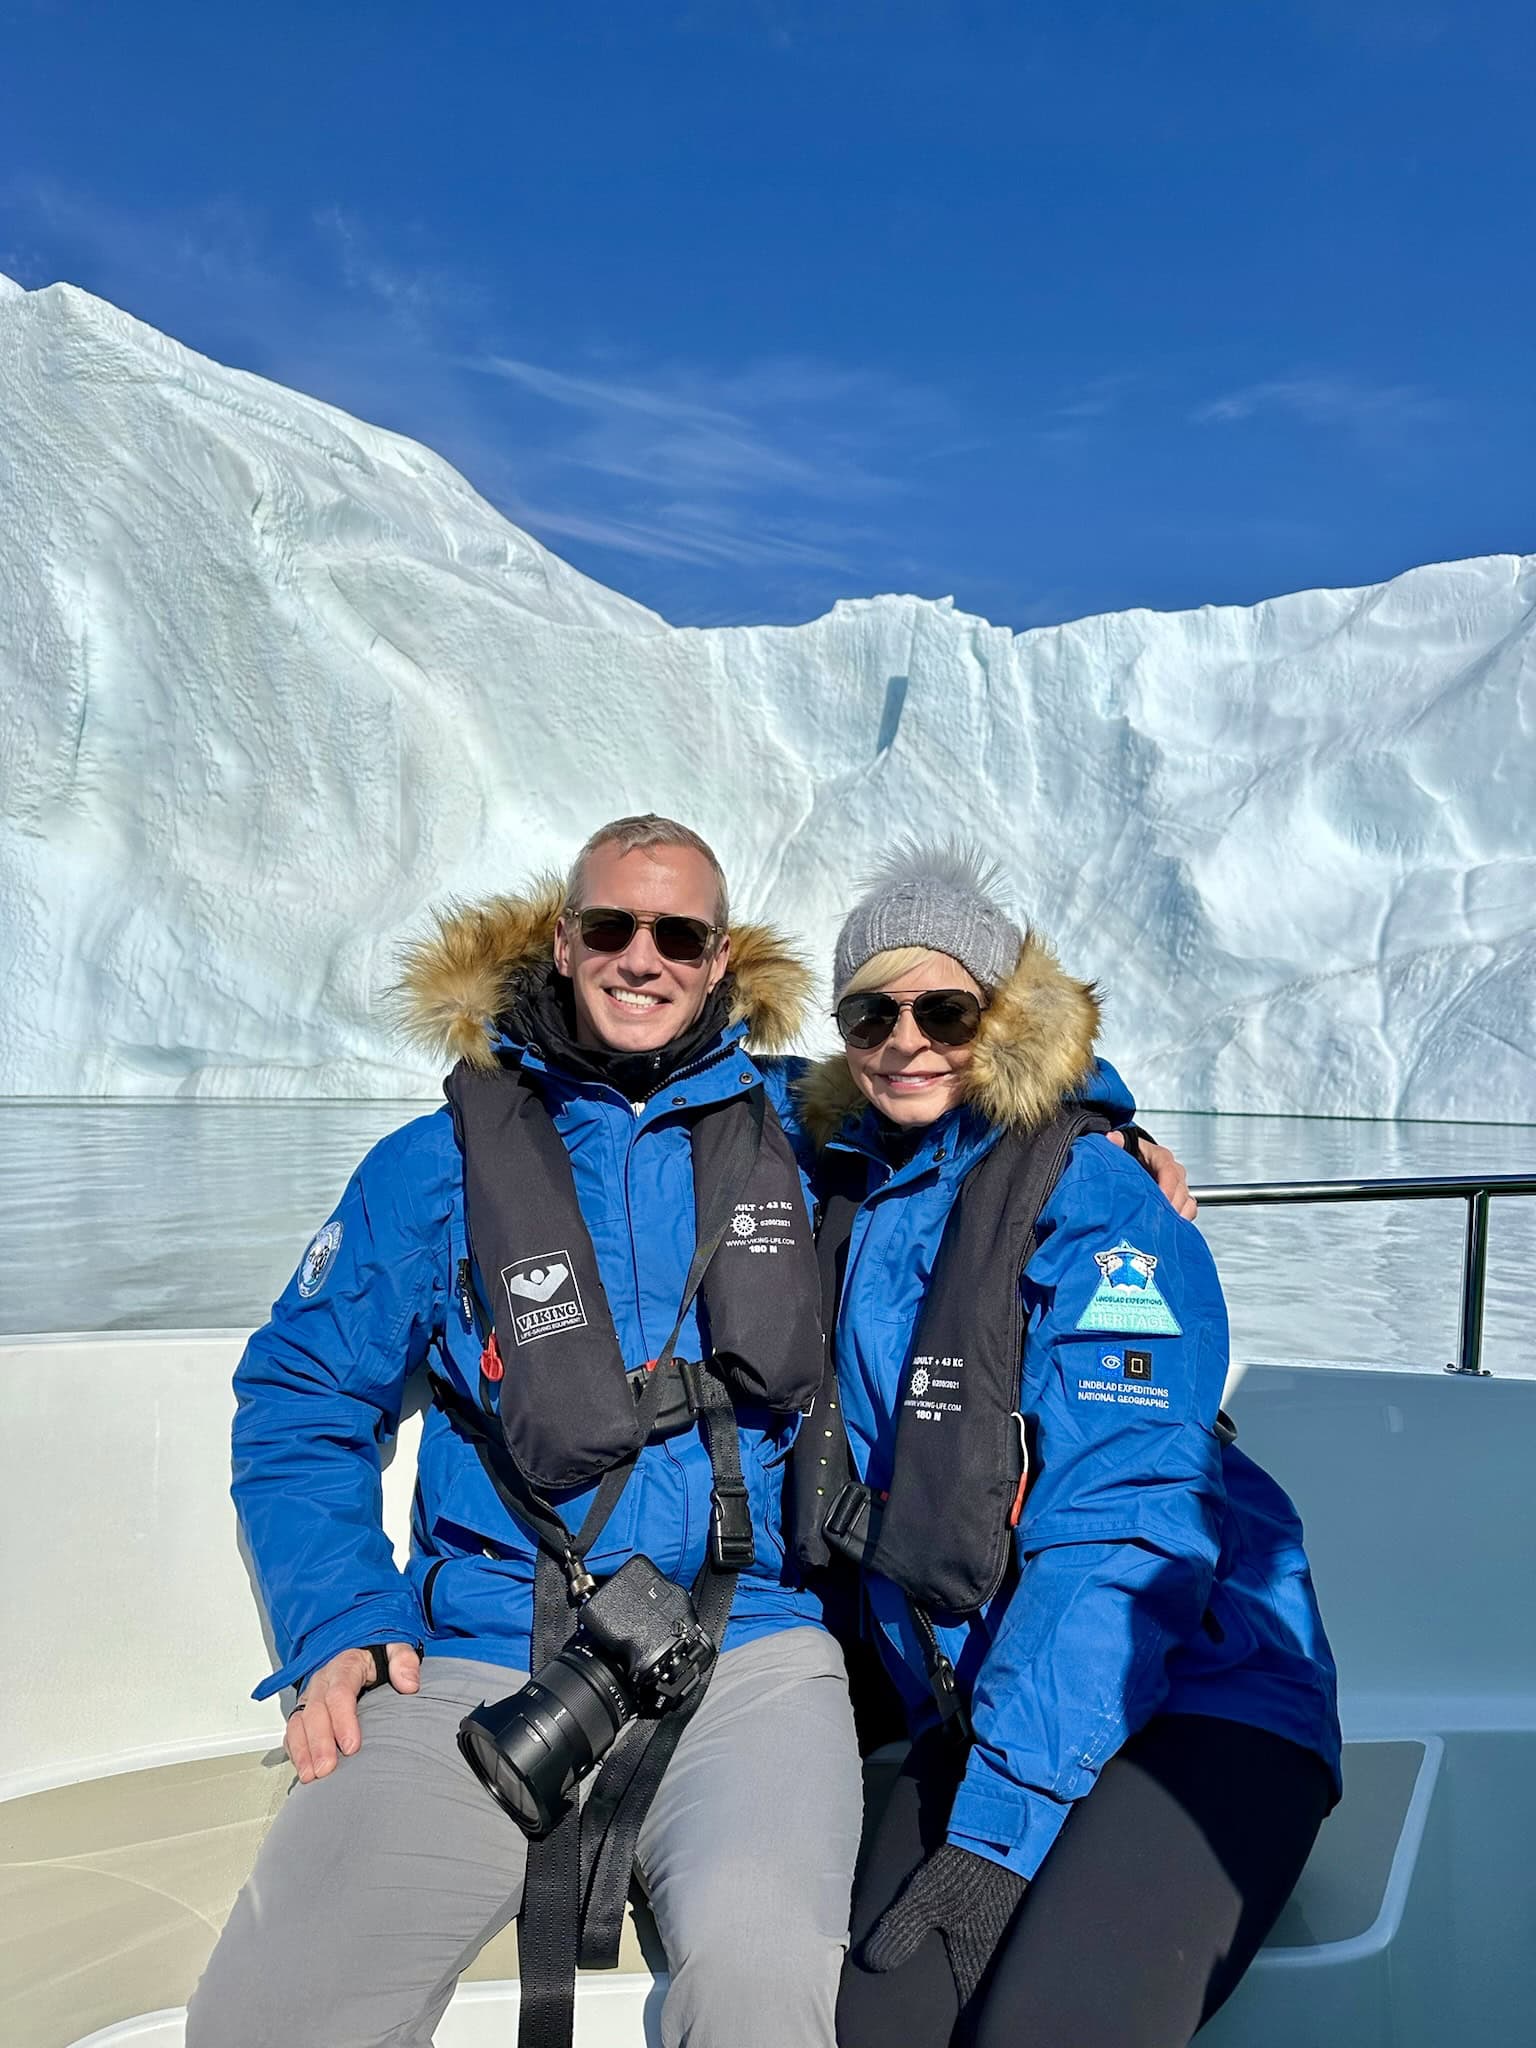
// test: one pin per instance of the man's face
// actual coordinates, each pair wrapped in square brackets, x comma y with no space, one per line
[638,1001]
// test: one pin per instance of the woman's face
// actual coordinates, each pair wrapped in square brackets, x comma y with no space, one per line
[910,1079]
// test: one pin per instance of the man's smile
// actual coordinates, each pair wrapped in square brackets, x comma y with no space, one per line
[633,998]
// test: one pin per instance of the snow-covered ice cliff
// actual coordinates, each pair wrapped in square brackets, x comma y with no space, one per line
[272,682]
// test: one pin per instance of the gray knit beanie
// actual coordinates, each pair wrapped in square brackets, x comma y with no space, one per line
[941,897]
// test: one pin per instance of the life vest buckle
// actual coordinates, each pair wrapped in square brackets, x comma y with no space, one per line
[852,1523]
[732,1545]
[953,1713]
[675,1410]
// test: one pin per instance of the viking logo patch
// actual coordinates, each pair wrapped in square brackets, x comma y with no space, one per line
[316,1262]
[539,1282]
[542,1296]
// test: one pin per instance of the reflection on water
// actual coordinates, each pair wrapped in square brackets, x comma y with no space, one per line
[191,1215]
[163,1216]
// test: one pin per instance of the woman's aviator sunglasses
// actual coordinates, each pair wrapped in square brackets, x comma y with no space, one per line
[683,939]
[945,1016]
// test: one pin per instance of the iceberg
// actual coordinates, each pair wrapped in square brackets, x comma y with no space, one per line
[274,682]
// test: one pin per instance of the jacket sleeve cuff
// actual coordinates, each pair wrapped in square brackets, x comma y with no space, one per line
[378,1621]
[1007,1825]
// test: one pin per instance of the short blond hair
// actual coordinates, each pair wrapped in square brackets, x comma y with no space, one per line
[881,968]
[637,835]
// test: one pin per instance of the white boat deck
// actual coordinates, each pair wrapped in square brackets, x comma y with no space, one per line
[131,1806]
[112,1893]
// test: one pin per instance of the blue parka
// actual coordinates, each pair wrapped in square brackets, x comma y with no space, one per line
[1159,1572]
[320,1387]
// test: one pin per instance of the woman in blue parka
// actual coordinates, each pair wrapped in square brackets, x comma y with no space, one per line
[1126,1733]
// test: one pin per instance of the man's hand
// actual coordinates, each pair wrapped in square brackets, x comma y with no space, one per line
[325,1720]
[1172,1180]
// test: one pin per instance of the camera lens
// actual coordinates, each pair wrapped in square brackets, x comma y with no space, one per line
[532,1749]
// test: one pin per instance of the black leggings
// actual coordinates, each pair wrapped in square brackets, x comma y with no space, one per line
[1148,1909]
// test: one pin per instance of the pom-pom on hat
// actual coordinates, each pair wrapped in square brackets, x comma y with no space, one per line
[942,897]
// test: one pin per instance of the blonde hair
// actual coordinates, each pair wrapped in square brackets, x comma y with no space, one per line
[881,968]
[638,835]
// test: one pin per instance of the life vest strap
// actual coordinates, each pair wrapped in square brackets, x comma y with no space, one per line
[954,1715]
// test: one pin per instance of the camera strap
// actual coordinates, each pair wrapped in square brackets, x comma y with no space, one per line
[551,1918]
[547,1917]
[631,1775]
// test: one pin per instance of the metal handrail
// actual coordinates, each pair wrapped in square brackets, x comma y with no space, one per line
[1473,1189]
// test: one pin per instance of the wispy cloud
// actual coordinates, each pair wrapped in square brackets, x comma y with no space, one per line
[413,294]
[1328,401]
[796,428]
[1087,412]
[1098,397]
[696,534]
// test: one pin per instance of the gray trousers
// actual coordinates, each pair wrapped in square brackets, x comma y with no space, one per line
[378,1884]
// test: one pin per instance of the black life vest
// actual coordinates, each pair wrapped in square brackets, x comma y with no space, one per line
[566,1400]
[943,1530]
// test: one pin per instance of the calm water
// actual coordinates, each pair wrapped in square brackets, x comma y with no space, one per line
[191,1215]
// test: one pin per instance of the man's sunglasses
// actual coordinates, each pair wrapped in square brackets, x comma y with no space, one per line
[945,1016]
[684,939]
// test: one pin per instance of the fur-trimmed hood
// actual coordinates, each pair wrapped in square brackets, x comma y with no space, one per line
[1036,1044]
[458,980]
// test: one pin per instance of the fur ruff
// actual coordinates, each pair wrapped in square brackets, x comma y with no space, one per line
[459,978]
[1035,1045]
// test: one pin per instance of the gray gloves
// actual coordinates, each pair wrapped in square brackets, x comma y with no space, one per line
[968,1898]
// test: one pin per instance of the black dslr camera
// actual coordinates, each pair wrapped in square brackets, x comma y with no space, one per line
[639,1649]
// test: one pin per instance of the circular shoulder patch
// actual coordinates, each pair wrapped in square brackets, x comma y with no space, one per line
[316,1262]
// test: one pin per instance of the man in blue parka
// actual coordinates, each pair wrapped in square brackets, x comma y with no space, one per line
[621,1006]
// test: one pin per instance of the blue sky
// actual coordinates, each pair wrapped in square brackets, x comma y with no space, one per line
[1056,308]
